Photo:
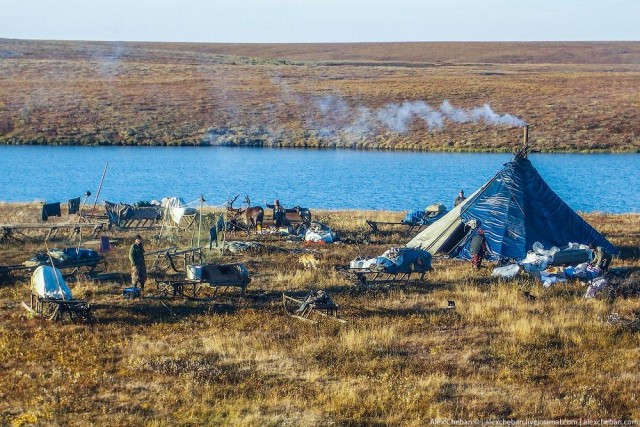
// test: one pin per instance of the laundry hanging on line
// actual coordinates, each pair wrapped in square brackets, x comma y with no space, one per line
[51,209]
[74,206]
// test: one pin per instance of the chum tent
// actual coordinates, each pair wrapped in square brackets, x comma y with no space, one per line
[516,208]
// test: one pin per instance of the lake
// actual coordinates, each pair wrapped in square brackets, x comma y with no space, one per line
[330,179]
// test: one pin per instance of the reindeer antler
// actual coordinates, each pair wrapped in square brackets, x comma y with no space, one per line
[247,200]
[230,202]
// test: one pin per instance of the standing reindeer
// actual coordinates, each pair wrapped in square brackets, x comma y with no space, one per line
[252,215]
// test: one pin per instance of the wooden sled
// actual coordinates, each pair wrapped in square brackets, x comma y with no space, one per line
[372,277]
[18,232]
[76,264]
[56,309]
[216,280]
[375,226]
[292,306]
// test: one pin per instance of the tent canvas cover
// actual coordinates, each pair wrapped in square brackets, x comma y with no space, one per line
[516,208]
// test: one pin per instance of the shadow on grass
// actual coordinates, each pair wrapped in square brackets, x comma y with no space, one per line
[629,252]
[149,310]
[449,313]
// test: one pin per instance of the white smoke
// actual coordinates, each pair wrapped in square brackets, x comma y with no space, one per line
[334,113]
[361,126]
[343,120]
[484,114]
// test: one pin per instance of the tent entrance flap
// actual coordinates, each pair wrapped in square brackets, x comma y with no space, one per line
[457,236]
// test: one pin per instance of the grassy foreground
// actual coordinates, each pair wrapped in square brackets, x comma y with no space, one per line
[402,359]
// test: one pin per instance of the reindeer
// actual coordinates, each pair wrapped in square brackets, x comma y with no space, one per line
[233,214]
[252,215]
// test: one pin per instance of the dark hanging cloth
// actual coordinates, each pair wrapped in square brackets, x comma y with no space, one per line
[74,206]
[105,245]
[52,209]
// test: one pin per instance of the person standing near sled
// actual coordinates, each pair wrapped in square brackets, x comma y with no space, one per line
[279,214]
[478,248]
[138,266]
[601,258]
[461,198]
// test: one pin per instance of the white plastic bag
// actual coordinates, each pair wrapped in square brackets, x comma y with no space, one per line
[506,272]
[597,284]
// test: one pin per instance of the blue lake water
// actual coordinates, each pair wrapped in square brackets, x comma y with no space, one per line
[331,179]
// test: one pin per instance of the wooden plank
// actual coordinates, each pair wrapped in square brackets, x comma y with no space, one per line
[304,319]
[29,309]
[48,226]
[330,316]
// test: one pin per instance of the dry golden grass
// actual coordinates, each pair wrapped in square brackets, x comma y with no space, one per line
[576,96]
[402,358]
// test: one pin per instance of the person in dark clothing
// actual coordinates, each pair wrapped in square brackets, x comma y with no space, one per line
[601,258]
[460,198]
[213,236]
[138,266]
[279,214]
[478,248]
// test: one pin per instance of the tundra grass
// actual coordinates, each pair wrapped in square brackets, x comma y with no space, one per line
[403,358]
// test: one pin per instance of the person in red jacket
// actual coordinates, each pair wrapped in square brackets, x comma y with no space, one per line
[478,248]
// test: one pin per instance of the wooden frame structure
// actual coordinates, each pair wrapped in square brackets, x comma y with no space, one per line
[293,216]
[367,276]
[187,220]
[56,309]
[292,306]
[374,225]
[124,216]
[205,288]
[171,257]
[13,231]
[90,264]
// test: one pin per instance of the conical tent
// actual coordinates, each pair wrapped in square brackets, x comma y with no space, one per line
[516,208]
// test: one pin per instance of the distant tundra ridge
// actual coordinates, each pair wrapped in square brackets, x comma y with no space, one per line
[575,96]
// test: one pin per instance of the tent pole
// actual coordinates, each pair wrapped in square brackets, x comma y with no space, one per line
[224,232]
[200,219]
[104,172]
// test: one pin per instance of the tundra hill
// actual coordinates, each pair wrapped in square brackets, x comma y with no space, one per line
[579,96]
[585,53]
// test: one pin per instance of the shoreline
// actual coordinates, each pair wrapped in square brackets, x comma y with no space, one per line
[195,144]
[39,203]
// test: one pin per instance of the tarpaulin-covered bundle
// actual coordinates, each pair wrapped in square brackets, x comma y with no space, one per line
[318,232]
[429,215]
[176,209]
[397,260]
[79,254]
[120,213]
[516,208]
[47,282]
[66,256]
[416,218]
